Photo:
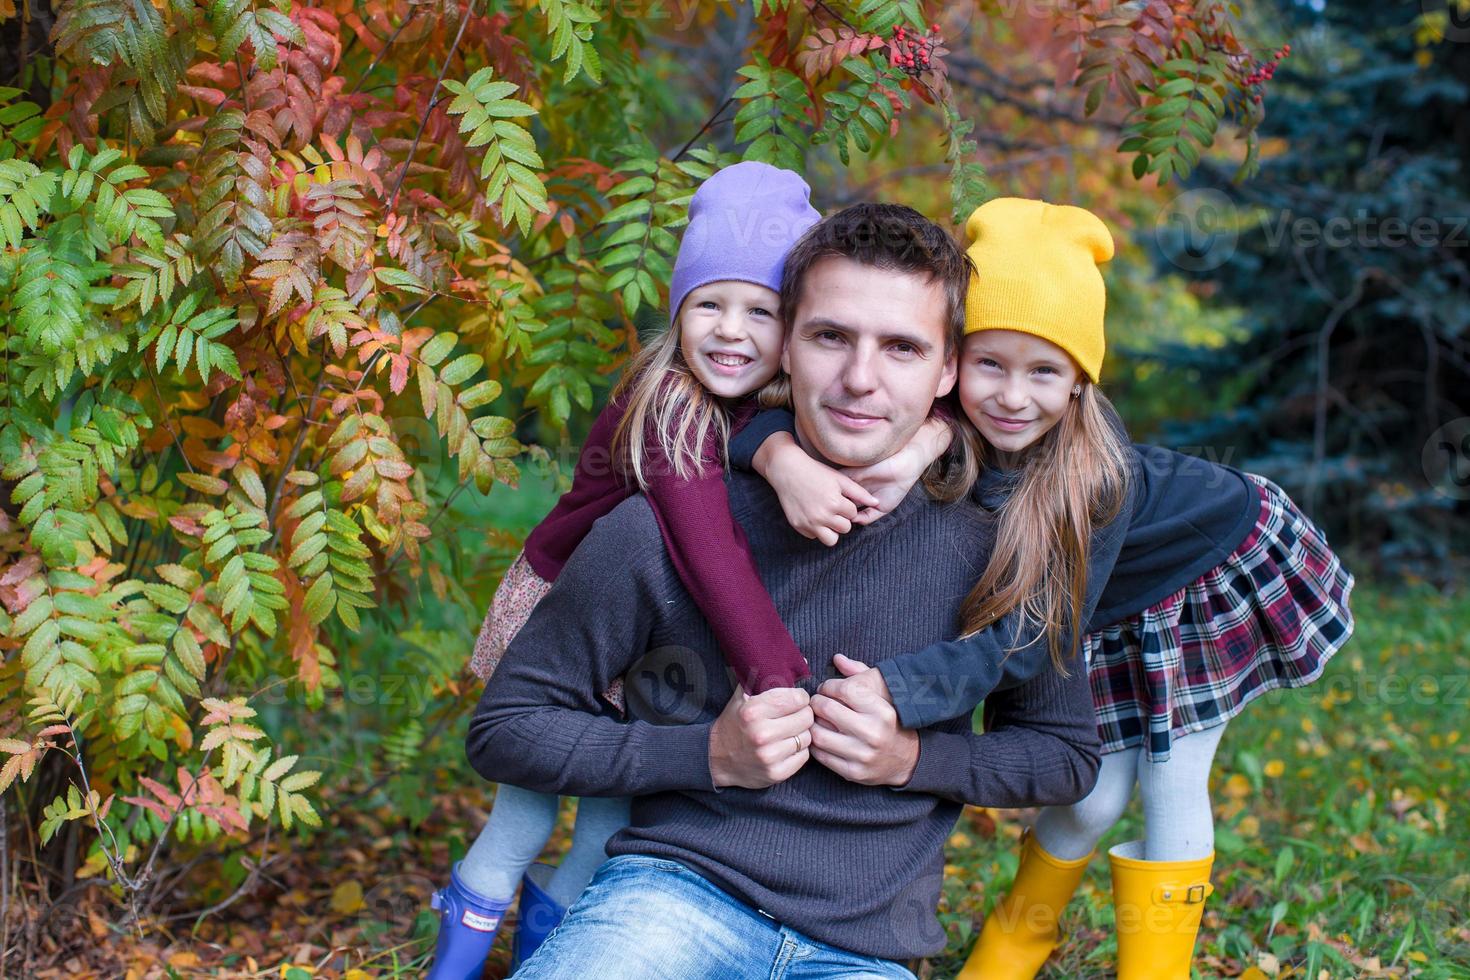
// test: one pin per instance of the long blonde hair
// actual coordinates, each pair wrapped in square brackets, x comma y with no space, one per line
[667,403]
[1072,481]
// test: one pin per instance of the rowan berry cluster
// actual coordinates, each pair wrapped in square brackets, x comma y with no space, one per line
[1266,70]
[912,52]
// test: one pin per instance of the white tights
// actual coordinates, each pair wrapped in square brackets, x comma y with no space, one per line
[1177,820]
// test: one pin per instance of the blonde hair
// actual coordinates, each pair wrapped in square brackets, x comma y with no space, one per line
[1071,481]
[670,415]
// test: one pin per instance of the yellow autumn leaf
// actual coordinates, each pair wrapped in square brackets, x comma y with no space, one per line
[1249,826]
[1275,768]
[1253,973]
[1237,786]
[347,898]
[958,839]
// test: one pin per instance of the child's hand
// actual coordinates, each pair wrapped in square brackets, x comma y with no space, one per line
[819,502]
[890,480]
[859,685]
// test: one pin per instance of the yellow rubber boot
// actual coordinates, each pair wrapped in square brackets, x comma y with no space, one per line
[1023,929]
[1158,906]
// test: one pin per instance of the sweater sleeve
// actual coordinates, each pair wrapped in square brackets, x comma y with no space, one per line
[597,487]
[539,723]
[1040,748]
[948,679]
[713,559]
[745,443]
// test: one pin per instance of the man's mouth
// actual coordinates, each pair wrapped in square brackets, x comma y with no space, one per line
[849,419]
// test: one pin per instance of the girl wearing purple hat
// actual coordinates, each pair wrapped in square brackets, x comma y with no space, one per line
[664,433]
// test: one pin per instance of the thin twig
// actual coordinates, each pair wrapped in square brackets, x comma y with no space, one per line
[707,124]
[378,58]
[424,122]
[1324,342]
[240,892]
[295,449]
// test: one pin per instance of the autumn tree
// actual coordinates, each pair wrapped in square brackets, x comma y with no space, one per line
[279,281]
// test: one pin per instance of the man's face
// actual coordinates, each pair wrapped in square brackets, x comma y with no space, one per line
[865,351]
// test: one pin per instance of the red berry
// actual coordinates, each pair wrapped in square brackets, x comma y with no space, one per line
[1256,97]
[934,28]
[1286,48]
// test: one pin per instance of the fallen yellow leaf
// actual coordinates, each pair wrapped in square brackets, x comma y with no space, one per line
[1275,768]
[347,898]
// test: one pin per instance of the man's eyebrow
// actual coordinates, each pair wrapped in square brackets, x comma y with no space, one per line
[825,323]
[896,335]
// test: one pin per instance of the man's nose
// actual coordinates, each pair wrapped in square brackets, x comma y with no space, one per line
[860,374]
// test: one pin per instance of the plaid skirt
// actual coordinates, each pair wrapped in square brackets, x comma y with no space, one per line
[1270,615]
[515,598]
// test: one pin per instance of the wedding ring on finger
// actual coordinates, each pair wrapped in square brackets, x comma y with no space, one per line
[799,746]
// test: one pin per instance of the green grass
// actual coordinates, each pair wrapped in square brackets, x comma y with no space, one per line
[1341,840]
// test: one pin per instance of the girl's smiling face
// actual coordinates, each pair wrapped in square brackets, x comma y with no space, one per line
[1014,386]
[730,333]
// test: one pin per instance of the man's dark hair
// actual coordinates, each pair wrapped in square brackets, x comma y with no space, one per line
[886,236]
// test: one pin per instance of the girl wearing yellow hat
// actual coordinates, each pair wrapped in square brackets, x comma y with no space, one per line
[1194,587]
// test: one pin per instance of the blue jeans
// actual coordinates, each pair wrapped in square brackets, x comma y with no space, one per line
[645,917]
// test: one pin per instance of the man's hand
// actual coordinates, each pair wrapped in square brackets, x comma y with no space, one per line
[819,502]
[857,734]
[762,740]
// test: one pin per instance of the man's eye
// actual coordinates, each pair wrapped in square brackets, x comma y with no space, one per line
[828,335]
[904,349]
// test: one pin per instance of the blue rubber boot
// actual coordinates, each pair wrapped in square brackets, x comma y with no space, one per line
[537,915]
[468,922]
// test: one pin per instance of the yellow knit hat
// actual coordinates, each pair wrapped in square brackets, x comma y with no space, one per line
[1037,273]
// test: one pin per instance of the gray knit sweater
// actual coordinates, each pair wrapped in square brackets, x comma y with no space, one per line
[855,866]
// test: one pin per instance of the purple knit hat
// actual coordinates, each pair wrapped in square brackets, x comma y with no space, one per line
[742,222]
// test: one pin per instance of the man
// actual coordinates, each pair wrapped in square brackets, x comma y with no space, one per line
[784,833]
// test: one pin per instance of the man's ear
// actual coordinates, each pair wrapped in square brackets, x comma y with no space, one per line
[786,351]
[947,379]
